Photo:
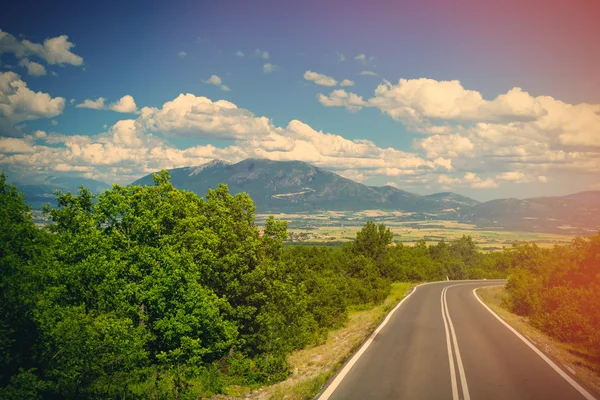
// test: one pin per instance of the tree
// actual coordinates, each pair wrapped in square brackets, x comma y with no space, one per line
[372,240]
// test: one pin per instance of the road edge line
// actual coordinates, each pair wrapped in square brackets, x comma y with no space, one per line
[342,374]
[453,381]
[587,395]
[461,368]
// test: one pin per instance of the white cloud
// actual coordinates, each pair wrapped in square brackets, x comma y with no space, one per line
[371,73]
[125,104]
[18,103]
[512,176]
[14,145]
[54,122]
[499,152]
[188,115]
[445,145]
[218,82]
[479,183]
[470,179]
[33,68]
[268,68]
[347,82]
[447,180]
[56,50]
[341,98]
[239,53]
[182,54]
[414,100]
[261,54]
[319,79]
[129,145]
[39,134]
[97,104]
[341,57]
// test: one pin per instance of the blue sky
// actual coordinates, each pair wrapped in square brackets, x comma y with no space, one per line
[482,100]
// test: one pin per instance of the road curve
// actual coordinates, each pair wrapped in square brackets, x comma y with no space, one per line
[442,343]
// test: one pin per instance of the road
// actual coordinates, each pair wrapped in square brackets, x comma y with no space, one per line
[442,343]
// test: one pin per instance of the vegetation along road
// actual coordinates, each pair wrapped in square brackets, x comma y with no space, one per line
[441,342]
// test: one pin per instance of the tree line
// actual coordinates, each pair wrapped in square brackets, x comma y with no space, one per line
[155,292]
[559,290]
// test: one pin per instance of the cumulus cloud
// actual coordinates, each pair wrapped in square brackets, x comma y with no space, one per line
[512,176]
[454,154]
[319,79]
[470,179]
[218,82]
[347,82]
[132,144]
[97,104]
[446,145]
[18,103]
[188,115]
[14,145]
[341,57]
[239,53]
[418,99]
[479,183]
[268,68]
[341,98]
[33,68]
[182,54]
[125,104]
[56,50]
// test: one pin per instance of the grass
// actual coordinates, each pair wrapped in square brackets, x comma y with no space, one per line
[312,367]
[578,360]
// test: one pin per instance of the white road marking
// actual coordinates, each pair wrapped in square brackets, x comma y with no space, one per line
[342,374]
[338,379]
[461,370]
[551,363]
[449,345]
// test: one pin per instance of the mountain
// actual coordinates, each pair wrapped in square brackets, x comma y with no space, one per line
[590,197]
[293,186]
[39,191]
[571,214]
[452,199]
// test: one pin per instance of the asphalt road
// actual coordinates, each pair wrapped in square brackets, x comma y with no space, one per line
[442,343]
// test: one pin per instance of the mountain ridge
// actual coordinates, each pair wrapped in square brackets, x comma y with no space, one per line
[296,186]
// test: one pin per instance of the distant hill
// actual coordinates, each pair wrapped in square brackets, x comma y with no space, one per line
[564,214]
[293,186]
[590,197]
[41,191]
[452,199]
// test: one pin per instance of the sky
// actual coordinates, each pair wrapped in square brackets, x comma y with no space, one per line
[486,99]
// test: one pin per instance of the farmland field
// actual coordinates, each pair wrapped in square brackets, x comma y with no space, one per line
[334,227]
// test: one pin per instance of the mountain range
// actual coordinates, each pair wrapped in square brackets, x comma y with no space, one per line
[295,186]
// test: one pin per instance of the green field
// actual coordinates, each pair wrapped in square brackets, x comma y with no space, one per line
[333,227]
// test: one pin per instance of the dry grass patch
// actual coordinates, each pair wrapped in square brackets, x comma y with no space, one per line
[312,367]
[579,361]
